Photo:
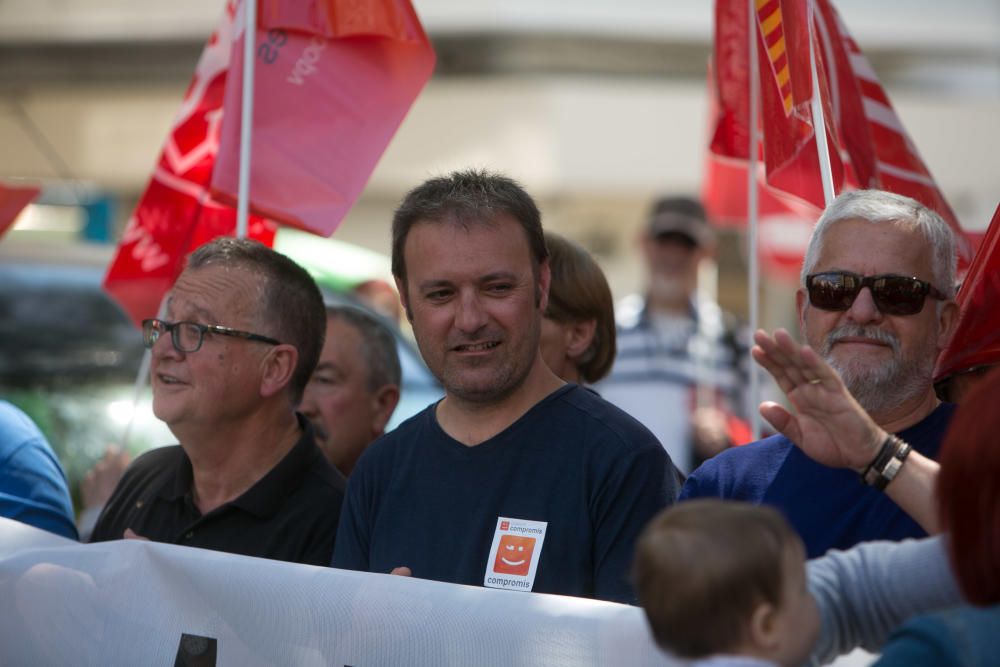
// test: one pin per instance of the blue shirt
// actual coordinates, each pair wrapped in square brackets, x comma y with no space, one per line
[961,637]
[33,488]
[829,507]
[592,474]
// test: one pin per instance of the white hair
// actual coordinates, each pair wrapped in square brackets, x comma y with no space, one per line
[878,206]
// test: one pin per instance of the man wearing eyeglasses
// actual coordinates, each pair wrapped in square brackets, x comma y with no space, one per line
[243,331]
[877,303]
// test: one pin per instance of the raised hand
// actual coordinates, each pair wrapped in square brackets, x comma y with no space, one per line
[829,425]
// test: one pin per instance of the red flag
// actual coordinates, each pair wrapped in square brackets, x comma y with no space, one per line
[176,213]
[976,341]
[784,223]
[882,154]
[869,146]
[782,36]
[333,81]
[13,199]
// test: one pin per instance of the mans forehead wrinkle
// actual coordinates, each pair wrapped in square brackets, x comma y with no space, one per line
[203,291]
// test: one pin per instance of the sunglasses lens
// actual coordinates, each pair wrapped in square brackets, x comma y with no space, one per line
[893,295]
[833,291]
[896,295]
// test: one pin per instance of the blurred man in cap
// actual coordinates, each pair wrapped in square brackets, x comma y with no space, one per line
[680,367]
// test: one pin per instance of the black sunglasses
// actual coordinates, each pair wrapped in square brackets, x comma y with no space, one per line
[188,336]
[893,295]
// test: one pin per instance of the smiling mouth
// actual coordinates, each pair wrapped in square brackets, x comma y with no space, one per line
[477,347]
[512,563]
[863,341]
[168,379]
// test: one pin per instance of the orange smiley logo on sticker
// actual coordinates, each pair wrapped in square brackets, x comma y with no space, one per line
[514,555]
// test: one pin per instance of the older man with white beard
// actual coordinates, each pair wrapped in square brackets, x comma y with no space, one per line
[877,302]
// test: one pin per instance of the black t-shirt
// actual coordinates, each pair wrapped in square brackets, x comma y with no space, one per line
[567,488]
[290,514]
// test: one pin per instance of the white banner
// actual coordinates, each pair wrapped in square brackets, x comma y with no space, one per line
[143,603]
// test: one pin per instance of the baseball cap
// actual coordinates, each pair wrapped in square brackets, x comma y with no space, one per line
[680,215]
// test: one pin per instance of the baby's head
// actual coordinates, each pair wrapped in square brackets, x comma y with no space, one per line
[721,577]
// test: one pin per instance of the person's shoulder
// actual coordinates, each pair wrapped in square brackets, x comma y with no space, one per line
[384,449]
[324,476]
[738,471]
[597,418]
[934,424]
[962,635]
[976,628]
[156,463]
[773,448]
[17,431]
[158,456]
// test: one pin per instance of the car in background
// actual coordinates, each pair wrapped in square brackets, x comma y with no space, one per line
[69,357]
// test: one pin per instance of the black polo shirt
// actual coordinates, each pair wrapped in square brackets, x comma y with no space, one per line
[290,514]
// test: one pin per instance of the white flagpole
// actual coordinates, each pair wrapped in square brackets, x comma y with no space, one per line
[246,119]
[752,213]
[141,381]
[819,121]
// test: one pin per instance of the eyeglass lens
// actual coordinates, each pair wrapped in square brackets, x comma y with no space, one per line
[185,336]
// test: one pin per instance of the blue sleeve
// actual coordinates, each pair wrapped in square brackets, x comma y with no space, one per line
[350,550]
[702,483]
[627,499]
[865,592]
[33,489]
[923,642]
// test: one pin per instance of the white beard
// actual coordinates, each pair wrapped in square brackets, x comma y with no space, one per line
[879,388]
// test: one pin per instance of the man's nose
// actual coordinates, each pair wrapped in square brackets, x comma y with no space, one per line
[308,405]
[864,310]
[471,315]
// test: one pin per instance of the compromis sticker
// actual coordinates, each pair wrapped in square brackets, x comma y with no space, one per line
[517,546]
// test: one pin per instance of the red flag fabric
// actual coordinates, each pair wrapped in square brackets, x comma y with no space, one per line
[869,147]
[976,341]
[333,81]
[176,213]
[782,36]
[13,199]
[784,223]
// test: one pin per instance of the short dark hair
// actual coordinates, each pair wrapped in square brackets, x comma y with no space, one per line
[703,566]
[466,197]
[579,291]
[292,306]
[378,344]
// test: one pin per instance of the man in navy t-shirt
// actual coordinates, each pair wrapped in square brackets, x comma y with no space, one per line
[877,303]
[515,479]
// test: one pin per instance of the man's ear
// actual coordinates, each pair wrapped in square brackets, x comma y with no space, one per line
[801,302]
[544,282]
[404,298]
[763,628]
[580,335]
[278,368]
[947,323]
[385,400]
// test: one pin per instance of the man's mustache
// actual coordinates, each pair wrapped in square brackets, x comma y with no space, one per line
[860,331]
